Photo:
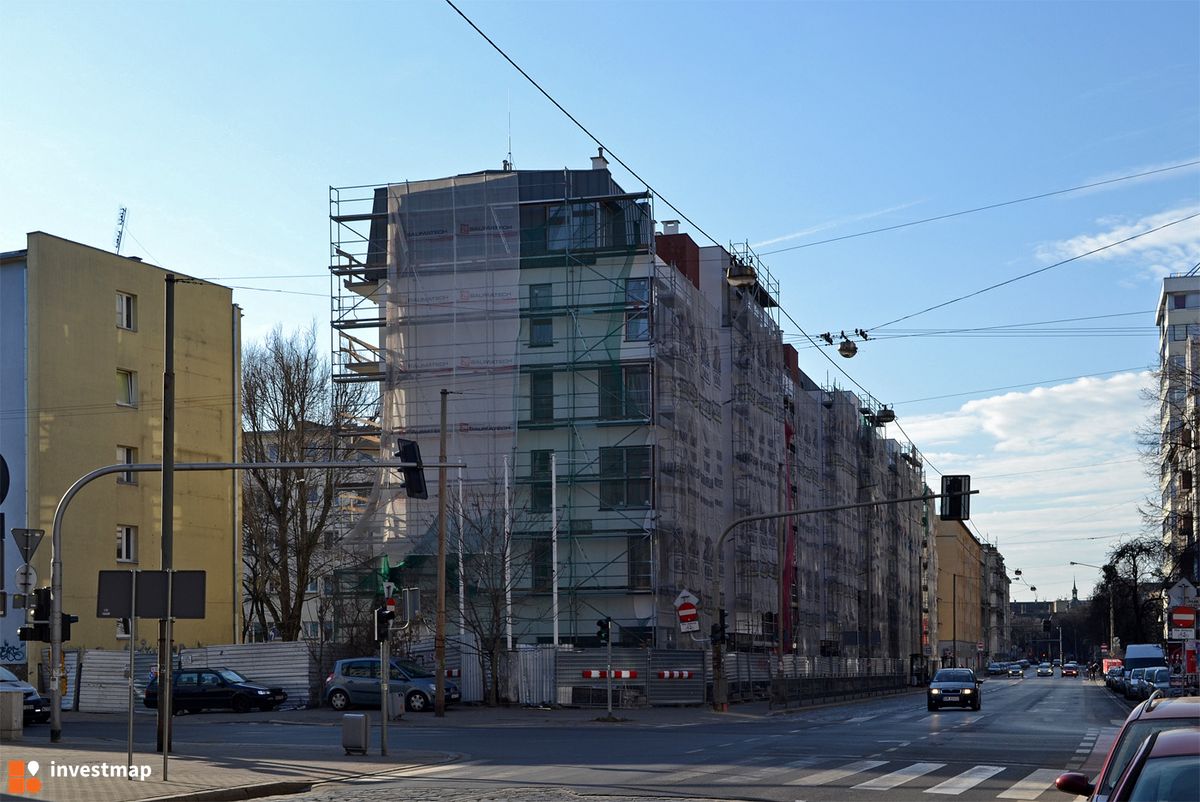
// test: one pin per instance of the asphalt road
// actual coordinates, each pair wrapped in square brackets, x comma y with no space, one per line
[1027,733]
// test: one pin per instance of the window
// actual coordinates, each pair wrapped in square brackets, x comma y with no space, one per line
[312,586]
[541,574]
[126,311]
[541,329]
[327,586]
[637,309]
[312,630]
[127,455]
[540,491]
[571,225]
[1185,300]
[625,477]
[625,392]
[126,544]
[126,388]
[638,561]
[541,396]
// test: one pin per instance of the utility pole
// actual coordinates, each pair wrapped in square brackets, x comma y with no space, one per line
[165,636]
[439,700]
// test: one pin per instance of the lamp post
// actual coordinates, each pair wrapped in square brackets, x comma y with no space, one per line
[1111,616]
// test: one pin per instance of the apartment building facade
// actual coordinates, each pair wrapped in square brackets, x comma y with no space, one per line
[82,388]
[612,405]
[1178,321]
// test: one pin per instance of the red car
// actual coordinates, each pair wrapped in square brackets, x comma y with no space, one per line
[1070,670]
[1151,716]
[1166,767]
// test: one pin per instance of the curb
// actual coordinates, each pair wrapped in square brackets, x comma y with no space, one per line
[256,791]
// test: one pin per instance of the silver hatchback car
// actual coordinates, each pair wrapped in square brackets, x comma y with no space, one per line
[355,681]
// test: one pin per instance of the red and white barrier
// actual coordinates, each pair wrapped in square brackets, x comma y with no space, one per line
[676,674]
[594,674]
[453,672]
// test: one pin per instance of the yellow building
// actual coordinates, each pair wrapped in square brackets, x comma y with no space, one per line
[961,595]
[82,344]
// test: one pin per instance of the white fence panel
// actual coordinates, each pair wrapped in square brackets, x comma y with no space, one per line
[287,664]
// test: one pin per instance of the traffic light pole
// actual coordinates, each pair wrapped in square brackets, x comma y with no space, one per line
[385,673]
[608,667]
[720,697]
[56,567]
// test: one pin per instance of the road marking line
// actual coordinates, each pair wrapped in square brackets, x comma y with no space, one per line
[858,719]
[965,781]
[833,775]
[1032,786]
[694,751]
[889,781]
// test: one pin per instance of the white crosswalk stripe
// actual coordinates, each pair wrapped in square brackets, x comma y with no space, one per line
[965,781]
[889,781]
[833,775]
[1033,785]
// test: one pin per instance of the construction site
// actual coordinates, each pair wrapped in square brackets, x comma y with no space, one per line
[609,404]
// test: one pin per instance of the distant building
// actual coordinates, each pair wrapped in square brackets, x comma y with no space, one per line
[81,387]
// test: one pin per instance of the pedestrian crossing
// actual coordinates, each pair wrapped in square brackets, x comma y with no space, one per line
[871,779]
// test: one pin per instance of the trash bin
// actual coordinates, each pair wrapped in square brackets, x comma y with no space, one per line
[12,714]
[395,705]
[356,729]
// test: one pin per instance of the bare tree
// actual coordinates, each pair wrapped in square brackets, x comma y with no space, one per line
[291,531]
[1134,576]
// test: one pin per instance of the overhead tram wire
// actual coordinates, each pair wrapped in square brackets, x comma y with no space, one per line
[1035,272]
[985,208]
[581,126]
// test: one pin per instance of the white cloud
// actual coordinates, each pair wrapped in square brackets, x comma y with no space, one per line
[1057,469]
[1174,249]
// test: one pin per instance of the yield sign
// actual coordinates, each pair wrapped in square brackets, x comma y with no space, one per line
[686,597]
[27,541]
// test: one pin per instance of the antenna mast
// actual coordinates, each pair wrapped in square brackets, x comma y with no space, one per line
[121,215]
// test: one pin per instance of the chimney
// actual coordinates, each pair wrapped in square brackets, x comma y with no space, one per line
[670,226]
[598,161]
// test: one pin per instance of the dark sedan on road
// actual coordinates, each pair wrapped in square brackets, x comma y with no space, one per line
[196,689]
[954,686]
[37,708]
[1015,670]
[1045,670]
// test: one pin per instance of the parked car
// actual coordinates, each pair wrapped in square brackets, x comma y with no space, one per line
[954,686]
[1111,676]
[1133,684]
[1015,670]
[996,669]
[1024,663]
[1070,670]
[1045,670]
[1158,679]
[196,689]
[1163,768]
[37,708]
[1154,715]
[355,681]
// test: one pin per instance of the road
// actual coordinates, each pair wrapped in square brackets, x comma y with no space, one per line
[1028,731]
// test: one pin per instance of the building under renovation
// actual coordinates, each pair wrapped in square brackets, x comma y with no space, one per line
[610,404]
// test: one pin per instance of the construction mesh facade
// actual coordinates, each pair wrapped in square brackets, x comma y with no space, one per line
[614,405]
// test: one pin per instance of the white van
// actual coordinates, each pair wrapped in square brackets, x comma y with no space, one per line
[1139,655]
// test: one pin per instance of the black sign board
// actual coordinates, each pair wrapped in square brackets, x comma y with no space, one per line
[187,598]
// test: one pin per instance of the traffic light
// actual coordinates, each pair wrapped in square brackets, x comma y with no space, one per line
[956,503]
[718,632]
[602,629]
[38,617]
[414,478]
[383,623]
[67,620]
[1045,625]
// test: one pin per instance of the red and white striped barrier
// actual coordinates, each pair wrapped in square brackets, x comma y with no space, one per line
[453,672]
[594,674]
[676,674]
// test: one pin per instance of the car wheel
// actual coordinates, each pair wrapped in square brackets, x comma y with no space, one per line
[241,704]
[976,705]
[416,702]
[932,707]
[339,700]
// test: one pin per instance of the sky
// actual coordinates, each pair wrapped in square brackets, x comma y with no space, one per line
[952,178]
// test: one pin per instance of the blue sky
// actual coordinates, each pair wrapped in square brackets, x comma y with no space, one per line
[221,126]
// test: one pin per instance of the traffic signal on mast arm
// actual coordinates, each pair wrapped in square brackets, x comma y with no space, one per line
[602,629]
[414,477]
[956,499]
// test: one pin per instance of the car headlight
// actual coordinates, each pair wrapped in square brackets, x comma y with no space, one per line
[968,690]
[934,691]
[263,693]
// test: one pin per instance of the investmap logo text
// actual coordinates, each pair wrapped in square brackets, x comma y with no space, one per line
[22,777]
